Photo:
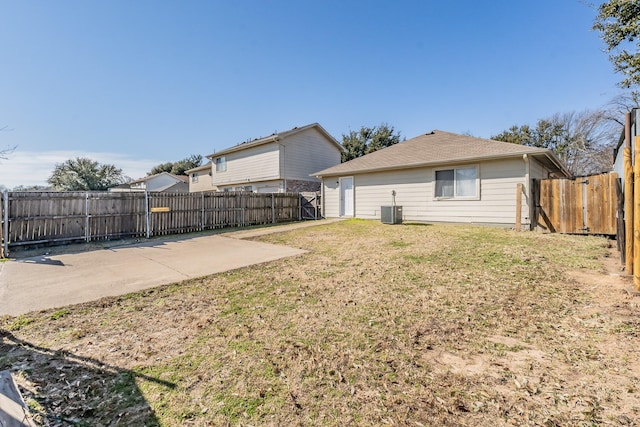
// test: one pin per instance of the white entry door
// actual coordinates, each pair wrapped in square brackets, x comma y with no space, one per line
[346,196]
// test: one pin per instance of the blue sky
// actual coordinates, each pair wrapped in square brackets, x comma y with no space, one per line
[137,83]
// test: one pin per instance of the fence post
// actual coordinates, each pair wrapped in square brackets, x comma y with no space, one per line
[628,210]
[87,236]
[147,213]
[519,189]
[299,207]
[202,220]
[5,225]
[636,215]
[273,209]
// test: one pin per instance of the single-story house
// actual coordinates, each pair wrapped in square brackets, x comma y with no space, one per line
[440,177]
[200,178]
[279,163]
[160,182]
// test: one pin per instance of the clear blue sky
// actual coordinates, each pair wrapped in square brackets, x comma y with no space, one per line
[136,83]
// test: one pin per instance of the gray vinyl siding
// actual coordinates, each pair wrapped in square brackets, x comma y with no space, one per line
[415,192]
[374,190]
[160,181]
[204,180]
[538,171]
[497,203]
[306,152]
[203,184]
[245,167]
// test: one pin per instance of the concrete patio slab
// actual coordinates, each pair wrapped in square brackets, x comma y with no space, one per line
[50,281]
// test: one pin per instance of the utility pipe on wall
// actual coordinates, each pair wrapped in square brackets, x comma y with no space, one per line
[5,200]
[527,186]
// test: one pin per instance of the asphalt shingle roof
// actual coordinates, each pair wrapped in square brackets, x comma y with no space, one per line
[276,137]
[437,147]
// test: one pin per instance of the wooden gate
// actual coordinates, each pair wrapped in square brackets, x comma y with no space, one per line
[585,205]
[310,206]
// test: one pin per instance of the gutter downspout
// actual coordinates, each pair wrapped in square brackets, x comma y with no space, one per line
[5,224]
[527,186]
[283,166]
[323,211]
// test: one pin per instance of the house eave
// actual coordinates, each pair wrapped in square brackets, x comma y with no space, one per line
[276,138]
[199,168]
[548,154]
[244,146]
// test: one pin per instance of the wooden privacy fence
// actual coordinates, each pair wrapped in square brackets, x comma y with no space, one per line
[585,205]
[49,217]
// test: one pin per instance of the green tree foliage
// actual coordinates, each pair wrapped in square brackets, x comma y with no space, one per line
[583,141]
[367,140]
[546,134]
[84,174]
[618,22]
[179,167]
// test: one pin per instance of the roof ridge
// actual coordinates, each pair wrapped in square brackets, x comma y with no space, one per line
[436,147]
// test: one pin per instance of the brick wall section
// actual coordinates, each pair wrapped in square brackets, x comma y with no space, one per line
[300,186]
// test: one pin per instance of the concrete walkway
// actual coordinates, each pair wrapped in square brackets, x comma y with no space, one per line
[49,281]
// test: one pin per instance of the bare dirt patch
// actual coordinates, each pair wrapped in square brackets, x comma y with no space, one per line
[398,325]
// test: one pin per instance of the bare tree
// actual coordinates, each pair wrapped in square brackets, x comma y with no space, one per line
[6,151]
[588,139]
[582,140]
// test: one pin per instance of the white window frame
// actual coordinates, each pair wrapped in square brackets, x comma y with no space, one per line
[221,164]
[454,197]
[194,177]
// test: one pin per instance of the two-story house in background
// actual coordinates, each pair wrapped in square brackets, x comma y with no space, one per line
[280,163]
[200,178]
[160,182]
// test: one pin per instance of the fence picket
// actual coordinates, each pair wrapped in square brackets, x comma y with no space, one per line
[49,217]
[585,205]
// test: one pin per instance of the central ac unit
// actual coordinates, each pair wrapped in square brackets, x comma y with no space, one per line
[391,214]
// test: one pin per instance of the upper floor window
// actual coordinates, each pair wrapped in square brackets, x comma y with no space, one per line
[194,177]
[221,164]
[457,183]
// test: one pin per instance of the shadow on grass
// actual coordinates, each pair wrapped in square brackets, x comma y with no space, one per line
[64,389]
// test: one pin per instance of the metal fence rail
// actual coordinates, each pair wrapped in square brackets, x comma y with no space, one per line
[30,218]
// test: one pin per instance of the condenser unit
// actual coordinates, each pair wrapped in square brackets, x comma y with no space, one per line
[391,214]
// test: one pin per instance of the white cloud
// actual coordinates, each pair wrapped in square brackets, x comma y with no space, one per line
[34,168]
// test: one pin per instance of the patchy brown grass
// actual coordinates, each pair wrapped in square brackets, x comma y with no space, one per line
[399,325]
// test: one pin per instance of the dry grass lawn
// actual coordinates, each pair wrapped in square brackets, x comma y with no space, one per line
[407,325]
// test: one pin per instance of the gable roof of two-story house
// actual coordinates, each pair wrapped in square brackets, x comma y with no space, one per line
[160,182]
[281,162]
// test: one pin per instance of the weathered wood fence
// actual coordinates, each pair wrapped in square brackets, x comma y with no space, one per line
[49,217]
[584,205]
